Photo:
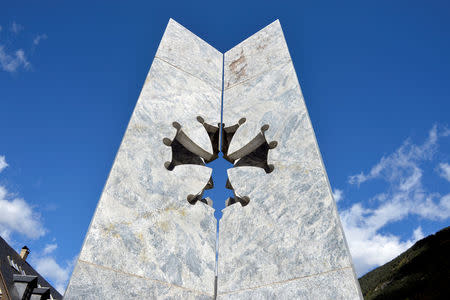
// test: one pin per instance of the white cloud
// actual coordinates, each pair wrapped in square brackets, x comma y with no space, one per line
[418,234]
[368,247]
[38,38]
[1,28]
[444,171]
[17,216]
[337,195]
[3,163]
[48,267]
[433,210]
[399,163]
[12,62]
[405,195]
[50,248]
[16,28]
[445,131]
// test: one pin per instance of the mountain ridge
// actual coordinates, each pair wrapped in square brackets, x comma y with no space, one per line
[421,272]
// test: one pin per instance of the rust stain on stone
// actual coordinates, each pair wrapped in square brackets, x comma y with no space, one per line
[107,230]
[165,226]
[140,236]
[238,66]
[261,47]
[237,62]
[177,209]
[146,215]
[110,229]
[170,208]
[139,128]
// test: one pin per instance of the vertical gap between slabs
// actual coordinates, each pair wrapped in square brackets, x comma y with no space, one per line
[220,150]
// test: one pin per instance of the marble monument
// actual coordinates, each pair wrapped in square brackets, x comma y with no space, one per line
[154,235]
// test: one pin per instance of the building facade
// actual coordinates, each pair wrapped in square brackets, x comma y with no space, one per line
[18,280]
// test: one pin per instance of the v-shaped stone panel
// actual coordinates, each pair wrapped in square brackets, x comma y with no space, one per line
[289,234]
[144,232]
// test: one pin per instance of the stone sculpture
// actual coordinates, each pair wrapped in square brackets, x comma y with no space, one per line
[153,235]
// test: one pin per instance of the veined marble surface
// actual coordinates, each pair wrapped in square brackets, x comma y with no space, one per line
[289,235]
[336,285]
[257,54]
[145,240]
[178,47]
[119,285]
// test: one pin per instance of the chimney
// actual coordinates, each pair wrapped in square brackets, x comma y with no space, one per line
[24,252]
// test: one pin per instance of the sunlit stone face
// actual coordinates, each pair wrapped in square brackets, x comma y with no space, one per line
[153,234]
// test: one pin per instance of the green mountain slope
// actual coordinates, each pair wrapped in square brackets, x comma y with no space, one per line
[421,272]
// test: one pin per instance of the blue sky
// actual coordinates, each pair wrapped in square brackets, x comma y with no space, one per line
[375,77]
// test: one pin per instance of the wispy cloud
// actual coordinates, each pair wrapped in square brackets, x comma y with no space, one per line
[39,38]
[47,265]
[368,247]
[3,163]
[418,234]
[14,60]
[337,195]
[50,269]
[16,28]
[405,195]
[49,248]
[1,28]
[402,161]
[444,171]
[17,216]
[11,62]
